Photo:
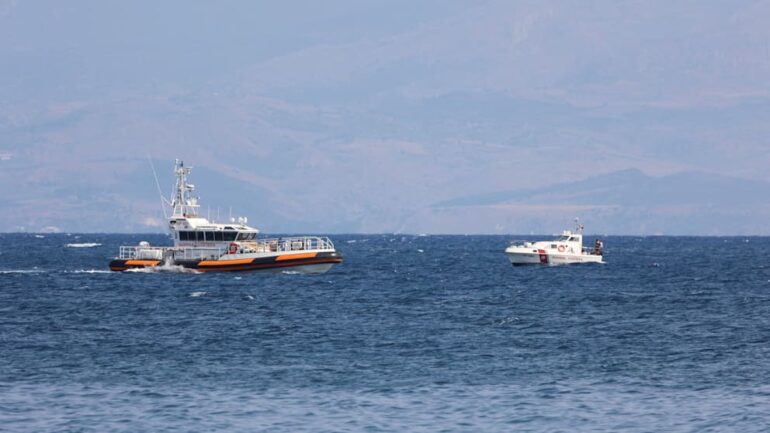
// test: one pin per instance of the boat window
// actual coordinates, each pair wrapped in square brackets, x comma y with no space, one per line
[573,239]
[182,236]
[229,236]
[218,236]
[252,236]
[199,236]
[243,236]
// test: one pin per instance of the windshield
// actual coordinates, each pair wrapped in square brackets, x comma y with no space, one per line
[244,236]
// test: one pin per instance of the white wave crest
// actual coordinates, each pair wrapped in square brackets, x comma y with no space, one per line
[90,271]
[163,268]
[21,271]
[84,245]
[198,294]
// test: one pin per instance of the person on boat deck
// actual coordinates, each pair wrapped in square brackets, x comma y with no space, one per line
[598,247]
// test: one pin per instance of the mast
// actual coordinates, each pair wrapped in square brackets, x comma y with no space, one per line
[578,226]
[183,204]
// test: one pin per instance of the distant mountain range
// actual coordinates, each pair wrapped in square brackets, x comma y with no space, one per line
[632,188]
[491,117]
[628,201]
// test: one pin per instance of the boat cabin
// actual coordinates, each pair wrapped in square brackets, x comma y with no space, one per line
[191,232]
[568,242]
[571,239]
[213,234]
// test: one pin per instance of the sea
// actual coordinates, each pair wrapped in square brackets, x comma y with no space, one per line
[409,334]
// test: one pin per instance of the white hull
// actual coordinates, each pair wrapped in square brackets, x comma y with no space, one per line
[525,256]
[306,269]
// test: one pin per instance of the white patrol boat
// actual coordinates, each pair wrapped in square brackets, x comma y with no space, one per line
[206,246]
[564,250]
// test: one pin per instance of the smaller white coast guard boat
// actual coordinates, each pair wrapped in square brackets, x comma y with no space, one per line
[564,250]
[206,246]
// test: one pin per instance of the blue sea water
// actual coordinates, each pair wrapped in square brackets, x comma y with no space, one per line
[415,334]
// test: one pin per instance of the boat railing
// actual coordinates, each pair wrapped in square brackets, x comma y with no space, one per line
[141,253]
[198,253]
[298,243]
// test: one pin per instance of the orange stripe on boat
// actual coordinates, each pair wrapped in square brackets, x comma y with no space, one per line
[266,265]
[296,256]
[142,262]
[225,262]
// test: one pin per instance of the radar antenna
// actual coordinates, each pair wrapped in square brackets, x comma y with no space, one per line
[183,204]
[578,227]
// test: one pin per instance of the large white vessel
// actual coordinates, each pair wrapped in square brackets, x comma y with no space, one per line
[207,246]
[565,249]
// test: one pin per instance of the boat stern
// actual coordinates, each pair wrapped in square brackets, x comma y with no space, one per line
[120,265]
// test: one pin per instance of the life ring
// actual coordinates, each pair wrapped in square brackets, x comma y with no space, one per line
[561,248]
[233,248]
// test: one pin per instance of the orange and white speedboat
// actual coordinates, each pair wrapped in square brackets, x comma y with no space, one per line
[207,246]
[564,250]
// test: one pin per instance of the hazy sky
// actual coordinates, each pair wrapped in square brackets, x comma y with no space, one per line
[389,116]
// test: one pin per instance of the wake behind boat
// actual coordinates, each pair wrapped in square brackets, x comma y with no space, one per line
[206,246]
[566,249]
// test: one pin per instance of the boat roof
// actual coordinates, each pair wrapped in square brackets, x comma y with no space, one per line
[198,223]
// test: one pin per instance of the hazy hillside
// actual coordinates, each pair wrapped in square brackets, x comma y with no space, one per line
[345,117]
[627,202]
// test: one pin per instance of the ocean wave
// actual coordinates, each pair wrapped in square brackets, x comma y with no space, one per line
[89,271]
[22,271]
[163,268]
[84,245]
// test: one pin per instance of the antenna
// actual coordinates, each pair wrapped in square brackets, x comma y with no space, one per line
[578,226]
[160,193]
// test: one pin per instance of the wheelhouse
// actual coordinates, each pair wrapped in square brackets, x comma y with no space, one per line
[215,235]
